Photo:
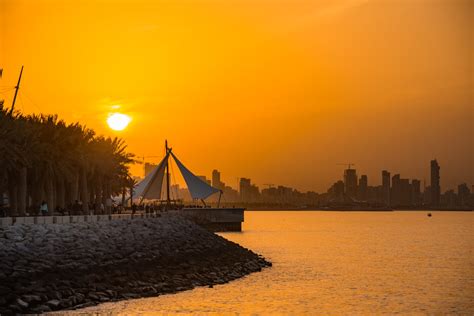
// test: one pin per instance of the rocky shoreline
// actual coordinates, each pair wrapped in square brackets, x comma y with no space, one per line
[68,266]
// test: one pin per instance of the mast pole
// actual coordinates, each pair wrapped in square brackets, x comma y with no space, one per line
[167,178]
[16,91]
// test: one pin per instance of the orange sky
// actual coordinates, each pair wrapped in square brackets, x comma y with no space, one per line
[279,91]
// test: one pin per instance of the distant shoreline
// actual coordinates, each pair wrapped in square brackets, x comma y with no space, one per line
[356,210]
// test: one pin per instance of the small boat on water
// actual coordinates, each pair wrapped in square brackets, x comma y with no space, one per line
[215,218]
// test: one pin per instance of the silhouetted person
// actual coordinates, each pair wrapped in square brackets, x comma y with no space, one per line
[60,210]
[44,208]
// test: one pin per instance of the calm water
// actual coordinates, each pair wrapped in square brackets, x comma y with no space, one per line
[339,263]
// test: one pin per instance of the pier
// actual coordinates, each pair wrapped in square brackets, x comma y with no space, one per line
[216,219]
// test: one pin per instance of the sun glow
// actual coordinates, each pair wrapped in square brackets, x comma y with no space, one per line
[118,121]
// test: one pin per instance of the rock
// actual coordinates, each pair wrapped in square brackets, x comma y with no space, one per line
[41,309]
[87,304]
[4,290]
[31,298]
[93,296]
[111,293]
[53,303]
[55,295]
[79,297]
[22,303]
[65,302]
[82,264]
[15,308]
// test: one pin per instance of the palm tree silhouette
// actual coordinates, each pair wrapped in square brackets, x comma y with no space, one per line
[44,158]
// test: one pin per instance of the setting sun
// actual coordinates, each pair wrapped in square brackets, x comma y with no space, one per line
[118,121]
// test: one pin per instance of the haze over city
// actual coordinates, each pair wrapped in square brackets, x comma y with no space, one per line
[277,92]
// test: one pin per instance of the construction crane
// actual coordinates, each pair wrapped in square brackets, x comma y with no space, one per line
[348,164]
[143,157]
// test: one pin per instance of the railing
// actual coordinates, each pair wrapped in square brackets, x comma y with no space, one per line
[8,221]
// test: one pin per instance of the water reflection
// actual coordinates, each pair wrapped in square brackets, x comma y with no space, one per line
[339,263]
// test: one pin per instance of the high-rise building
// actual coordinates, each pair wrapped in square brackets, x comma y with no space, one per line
[448,199]
[386,186]
[204,178]
[435,187]
[216,180]
[463,194]
[405,192]
[362,188]
[415,192]
[350,182]
[149,168]
[337,189]
[395,191]
[427,195]
[248,191]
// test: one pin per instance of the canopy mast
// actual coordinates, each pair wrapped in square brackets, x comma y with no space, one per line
[168,202]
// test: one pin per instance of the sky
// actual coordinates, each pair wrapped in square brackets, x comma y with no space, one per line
[276,90]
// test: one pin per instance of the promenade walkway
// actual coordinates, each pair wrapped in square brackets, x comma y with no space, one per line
[8,221]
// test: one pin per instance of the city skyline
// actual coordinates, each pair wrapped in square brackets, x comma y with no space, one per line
[235,182]
[353,189]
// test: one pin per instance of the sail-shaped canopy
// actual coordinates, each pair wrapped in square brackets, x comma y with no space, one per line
[150,187]
[198,188]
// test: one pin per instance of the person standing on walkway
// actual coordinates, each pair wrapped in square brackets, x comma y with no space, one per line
[44,208]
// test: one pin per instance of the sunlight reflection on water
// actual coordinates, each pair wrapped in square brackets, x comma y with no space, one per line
[338,263]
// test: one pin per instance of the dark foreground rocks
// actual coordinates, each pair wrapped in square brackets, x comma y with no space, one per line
[53,267]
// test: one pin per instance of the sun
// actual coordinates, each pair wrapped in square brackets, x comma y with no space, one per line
[118,121]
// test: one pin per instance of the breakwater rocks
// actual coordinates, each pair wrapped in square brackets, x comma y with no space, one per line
[58,266]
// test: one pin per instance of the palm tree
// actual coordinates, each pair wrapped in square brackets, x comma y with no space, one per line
[42,157]
[13,160]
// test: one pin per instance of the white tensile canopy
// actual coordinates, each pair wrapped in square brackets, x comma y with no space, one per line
[151,186]
[198,188]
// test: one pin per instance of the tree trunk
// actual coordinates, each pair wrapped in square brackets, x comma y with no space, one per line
[106,195]
[98,194]
[84,192]
[50,195]
[22,192]
[13,200]
[60,193]
[124,191]
[55,196]
[36,193]
[92,193]
[75,188]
